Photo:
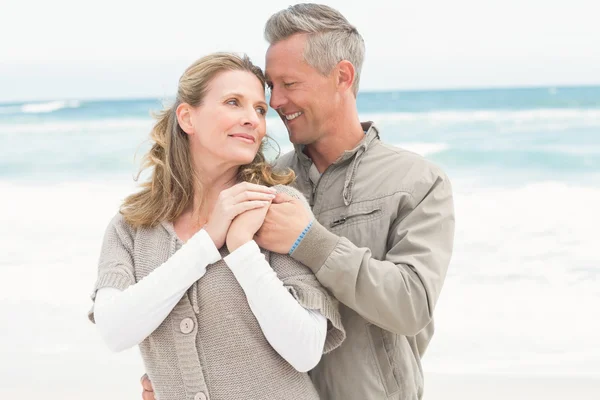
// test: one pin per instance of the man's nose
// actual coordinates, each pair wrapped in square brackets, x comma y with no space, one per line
[277,99]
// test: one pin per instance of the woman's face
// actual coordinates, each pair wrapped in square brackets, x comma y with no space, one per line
[229,125]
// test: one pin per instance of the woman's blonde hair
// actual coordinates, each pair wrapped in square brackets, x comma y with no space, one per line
[171,187]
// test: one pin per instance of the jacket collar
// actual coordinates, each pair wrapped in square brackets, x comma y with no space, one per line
[355,154]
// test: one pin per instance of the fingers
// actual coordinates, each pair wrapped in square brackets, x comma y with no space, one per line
[283,198]
[147,395]
[146,384]
[250,195]
[248,205]
[249,187]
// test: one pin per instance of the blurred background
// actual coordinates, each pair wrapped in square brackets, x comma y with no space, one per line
[504,95]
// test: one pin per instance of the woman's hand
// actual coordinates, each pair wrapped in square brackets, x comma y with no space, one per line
[244,226]
[231,202]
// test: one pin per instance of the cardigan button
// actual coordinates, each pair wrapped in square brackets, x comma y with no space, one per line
[200,396]
[186,326]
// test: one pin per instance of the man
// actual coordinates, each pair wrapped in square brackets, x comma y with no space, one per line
[383,231]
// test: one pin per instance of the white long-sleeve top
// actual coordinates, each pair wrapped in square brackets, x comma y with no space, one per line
[125,318]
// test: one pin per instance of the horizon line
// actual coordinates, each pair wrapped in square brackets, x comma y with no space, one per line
[363,91]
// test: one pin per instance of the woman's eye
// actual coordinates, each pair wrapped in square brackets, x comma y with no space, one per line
[261,110]
[233,102]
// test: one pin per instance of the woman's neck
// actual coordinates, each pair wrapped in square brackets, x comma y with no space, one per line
[212,183]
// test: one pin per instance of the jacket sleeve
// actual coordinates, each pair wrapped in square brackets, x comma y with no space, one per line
[398,293]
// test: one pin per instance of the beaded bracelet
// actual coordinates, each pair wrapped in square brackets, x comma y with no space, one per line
[304,232]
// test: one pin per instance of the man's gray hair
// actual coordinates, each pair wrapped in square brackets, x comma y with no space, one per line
[331,38]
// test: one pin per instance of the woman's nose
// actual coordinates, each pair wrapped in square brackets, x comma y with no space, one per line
[251,118]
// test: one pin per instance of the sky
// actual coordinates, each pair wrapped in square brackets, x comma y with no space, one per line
[65,49]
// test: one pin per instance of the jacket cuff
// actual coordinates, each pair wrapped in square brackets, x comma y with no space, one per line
[315,247]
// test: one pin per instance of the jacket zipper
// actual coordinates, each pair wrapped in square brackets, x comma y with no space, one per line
[315,187]
[343,219]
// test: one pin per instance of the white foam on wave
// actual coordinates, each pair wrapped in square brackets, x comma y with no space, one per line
[48,107]
[77,126]
[591,116]
[424,149]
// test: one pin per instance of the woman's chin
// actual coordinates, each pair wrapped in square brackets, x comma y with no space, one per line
[242,158]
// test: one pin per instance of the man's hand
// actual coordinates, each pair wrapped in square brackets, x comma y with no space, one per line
[148,393]
[286,219]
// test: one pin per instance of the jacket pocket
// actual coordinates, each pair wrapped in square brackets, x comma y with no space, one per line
[356,217]
[382,359]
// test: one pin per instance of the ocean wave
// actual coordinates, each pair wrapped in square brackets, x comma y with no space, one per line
[519,159]
[77,126]
[39,108]
[424,149]
[591,115]
[10,109]
[48,107]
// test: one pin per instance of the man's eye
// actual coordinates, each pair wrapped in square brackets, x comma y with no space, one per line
[287,85]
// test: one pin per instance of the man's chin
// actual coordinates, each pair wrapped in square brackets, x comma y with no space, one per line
[297,138]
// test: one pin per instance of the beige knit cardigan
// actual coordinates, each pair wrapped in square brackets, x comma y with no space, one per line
[211,346]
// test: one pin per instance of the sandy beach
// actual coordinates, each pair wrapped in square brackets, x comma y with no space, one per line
[514,317]
[496,387]
[121,383]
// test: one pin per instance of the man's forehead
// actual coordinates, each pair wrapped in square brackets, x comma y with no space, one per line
[293,45]
[282,56]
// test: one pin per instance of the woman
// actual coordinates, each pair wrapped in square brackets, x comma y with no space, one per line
[179,274]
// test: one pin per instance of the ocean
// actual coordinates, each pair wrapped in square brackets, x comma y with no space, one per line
[522,289]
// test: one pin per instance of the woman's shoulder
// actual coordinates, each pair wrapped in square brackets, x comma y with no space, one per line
[119,222]
[120,232]
[118,229]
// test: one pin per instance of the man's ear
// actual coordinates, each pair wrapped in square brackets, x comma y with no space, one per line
[346,75]
[184,118]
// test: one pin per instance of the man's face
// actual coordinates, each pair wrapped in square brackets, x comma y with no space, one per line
[304,98]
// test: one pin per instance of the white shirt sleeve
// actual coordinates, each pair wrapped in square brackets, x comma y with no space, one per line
[296,333]
[125,318]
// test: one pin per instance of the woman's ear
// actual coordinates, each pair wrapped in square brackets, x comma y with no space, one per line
[184,117]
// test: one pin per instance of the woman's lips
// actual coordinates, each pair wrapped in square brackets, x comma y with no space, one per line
[244,137]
